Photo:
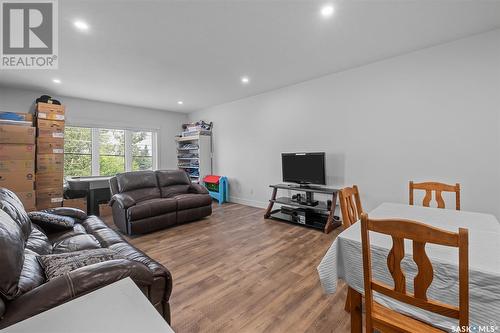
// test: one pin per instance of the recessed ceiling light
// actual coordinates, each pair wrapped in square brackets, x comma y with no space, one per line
[81,25]
[245,79]
[56,81]
[327,11]
[180,102]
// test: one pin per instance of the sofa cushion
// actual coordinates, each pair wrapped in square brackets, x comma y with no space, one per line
[187,201]
[2,307]
[132,253]
[173,182]
[152,207]
[56,265]
[93,223]
[11,254]
[107,237]
[139,185]
[50,221]
[67,211]
[38,242]
[32,274]
[171,191]
[76,243]
[172,177]
[129,181]
[144,194]
[11,204]
[54,237]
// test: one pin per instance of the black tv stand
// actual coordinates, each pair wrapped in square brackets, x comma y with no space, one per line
[306,185]
[309,200]
[323,214]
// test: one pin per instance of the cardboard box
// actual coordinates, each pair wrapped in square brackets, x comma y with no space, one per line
[55,195]
[28,199]
[30,209]
[17,181]
[50,140]
[49,163]
[50,128]
[50,146]
[48,133]
[105,210]
[76,203]
[50,111]
[17,165]
[17,151]
[54,125]
[46,203]
[49,180]
[17,134]
[22,116]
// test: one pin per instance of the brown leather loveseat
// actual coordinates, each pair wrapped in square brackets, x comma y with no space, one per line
[145,201]
[24,289]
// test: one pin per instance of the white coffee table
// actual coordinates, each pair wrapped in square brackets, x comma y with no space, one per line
[119,307]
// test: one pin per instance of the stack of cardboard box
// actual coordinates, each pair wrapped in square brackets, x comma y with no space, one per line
[17,156]
[49,155]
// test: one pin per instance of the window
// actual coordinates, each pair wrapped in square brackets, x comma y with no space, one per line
[106,152]
[111,152]
[142,151]
[77,151]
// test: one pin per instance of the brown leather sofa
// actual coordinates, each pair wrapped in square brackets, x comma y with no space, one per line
[145,201]
[24,291]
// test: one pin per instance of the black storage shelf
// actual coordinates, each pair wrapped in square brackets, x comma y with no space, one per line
[321,206]
[322,218]
[278,216]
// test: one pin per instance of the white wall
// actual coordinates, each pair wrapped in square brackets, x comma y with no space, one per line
[93,113]
[428,115]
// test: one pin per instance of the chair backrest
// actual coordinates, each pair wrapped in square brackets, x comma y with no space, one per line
[173,182]
[140,185]
[438,188]
[420,234]
[350,205]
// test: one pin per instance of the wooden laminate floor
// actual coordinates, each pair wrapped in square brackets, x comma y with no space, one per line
[236,272]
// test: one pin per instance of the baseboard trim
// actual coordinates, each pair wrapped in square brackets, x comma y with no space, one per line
[247,202]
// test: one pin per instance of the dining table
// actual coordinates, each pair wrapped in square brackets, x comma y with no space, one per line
[344,260]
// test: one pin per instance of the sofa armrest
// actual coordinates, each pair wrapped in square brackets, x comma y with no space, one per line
[197,189]
[123,200]
[72,285]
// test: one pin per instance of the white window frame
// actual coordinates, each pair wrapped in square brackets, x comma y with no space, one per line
[96,167]
[128,145]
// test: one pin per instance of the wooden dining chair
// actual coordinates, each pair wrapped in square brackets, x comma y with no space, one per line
[350,206]
[389,321]
[438,188]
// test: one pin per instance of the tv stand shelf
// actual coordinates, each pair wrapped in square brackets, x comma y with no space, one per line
[320,208]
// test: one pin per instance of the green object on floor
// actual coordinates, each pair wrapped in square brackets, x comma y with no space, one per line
[212,187]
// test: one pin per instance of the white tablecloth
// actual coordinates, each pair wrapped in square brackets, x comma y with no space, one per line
[344,260]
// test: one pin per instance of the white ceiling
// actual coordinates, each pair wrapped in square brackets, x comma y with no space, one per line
[154,53]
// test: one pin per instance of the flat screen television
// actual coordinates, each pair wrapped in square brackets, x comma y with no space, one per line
[303,168]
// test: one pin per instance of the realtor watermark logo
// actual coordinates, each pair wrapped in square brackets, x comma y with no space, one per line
[491,328]
[29,34]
